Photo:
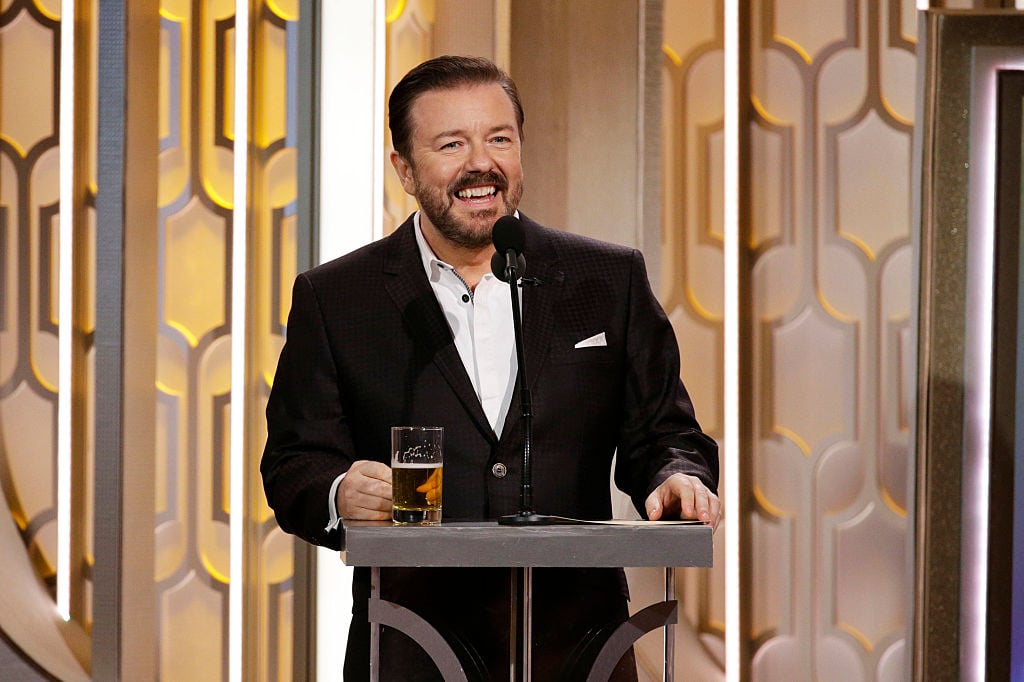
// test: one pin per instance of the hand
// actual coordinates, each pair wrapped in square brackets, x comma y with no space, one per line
[684,497]
[365,492]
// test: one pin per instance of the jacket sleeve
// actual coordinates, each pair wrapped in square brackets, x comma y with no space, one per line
[660,435]
[308,440]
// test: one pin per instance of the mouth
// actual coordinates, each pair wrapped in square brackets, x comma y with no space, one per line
[477,195]
[479,190]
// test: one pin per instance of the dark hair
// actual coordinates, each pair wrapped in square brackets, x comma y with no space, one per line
[442,73]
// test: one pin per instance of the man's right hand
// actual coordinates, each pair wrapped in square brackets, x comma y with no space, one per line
[365,492]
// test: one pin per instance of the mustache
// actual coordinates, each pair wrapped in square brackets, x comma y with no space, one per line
[477,179]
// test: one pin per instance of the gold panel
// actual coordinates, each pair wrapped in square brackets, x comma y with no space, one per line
[194,250]
[29,250]
[829,197]
[195,345]
[409,26]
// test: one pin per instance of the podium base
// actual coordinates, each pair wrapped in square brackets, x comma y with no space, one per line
[532,519]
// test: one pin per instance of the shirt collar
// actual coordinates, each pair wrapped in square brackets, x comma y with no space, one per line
[432,265]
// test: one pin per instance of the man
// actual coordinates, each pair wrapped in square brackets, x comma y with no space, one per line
[415,330]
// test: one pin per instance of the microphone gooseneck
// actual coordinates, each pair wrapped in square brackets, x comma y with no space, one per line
[509,265]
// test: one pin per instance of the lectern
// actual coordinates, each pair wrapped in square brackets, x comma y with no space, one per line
[637,544]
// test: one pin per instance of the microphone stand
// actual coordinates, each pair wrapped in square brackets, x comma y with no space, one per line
[526,515]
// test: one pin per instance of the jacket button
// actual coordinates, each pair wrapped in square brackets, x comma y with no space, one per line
[499,470]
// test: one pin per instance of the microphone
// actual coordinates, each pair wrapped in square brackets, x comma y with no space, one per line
[499,266]
[508,264]
[508,233]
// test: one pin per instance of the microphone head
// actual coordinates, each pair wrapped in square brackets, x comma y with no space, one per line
[508,233]
[498,264]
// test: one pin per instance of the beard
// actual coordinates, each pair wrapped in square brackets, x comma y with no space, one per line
[474,231]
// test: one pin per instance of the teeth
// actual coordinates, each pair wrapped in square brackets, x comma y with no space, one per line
[475,192]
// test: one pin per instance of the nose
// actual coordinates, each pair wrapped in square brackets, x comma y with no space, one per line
[479,160]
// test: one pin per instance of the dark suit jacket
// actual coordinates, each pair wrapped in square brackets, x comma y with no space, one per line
[368,347]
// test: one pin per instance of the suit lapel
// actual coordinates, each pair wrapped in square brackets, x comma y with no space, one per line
[538,315]
[409,289]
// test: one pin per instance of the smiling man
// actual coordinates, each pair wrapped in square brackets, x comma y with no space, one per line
[416,330]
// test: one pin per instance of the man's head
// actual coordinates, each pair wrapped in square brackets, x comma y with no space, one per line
[443,73]
[456,125]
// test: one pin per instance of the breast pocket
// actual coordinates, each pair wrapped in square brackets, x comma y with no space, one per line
[571,356]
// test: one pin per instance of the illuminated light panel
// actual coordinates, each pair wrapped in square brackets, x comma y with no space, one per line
[731,324]
[987,63]
[66,331]
[352,86]
[239,309]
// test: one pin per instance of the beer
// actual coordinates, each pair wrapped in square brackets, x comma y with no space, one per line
[416,492]
[417,453]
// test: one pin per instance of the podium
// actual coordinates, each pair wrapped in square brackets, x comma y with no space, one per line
[640,544]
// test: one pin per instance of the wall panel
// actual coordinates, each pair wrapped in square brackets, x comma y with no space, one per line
[828,241]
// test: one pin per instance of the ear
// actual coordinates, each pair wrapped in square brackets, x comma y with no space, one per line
[404,171]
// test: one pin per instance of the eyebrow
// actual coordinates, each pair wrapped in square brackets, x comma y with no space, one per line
[460,133]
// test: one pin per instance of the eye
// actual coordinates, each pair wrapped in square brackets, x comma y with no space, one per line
[501,139]
[454,144]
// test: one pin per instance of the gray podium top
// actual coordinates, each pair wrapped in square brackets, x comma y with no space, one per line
[485,543]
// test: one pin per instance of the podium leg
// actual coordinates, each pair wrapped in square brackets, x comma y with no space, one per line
[374,627]
[382,612]
[670,627]
[527,623]
[660,615]
[513,624]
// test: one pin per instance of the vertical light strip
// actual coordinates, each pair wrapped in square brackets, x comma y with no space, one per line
[379,114]
[731,389]
[239,258]
[978,371]
[352,85]
[986,64]
[66,322]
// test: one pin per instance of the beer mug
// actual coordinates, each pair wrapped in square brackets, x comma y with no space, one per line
[417,458]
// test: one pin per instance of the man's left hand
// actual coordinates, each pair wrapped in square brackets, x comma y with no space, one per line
[685,497]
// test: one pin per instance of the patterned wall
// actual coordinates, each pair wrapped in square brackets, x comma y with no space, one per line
[410,26]
[196,185]
[194,351]
[29,250]
[832,92]
[832,89]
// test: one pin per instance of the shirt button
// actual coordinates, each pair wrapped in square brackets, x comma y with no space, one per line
[465,298]
[499,470]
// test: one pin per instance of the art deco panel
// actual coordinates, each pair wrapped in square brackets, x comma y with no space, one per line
[194,345]
[28,273]
[832,88]
[410,27]
[30,248]
[195,355]
[691,266]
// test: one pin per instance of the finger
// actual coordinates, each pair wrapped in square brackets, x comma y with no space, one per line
[653,506]
[365,492]
[701,504]
[369,469]
[365,507]
[716,511]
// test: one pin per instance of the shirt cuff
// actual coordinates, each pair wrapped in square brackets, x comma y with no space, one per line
[332,505]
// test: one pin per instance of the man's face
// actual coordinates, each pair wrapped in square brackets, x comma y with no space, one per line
[466,169]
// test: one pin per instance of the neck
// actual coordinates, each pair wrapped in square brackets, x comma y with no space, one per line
[471,264]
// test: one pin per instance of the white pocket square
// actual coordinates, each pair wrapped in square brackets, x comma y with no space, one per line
[593,342]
